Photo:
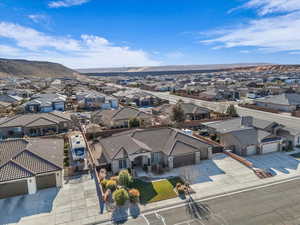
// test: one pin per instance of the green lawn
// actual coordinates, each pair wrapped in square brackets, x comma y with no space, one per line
[157,190]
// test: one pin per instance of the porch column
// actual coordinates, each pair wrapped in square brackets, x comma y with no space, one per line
[170,162]
[31,184]
[197,157]
[59,177]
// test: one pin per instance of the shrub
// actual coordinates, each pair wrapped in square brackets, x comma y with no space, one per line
[104,183]
[124,179]
[120,196]
[134,195]
[111,185]
[115,178]
[181,188]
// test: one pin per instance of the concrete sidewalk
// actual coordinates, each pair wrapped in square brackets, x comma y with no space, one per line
[213,177]
[235,177]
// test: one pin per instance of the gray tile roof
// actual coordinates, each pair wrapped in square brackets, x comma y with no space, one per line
[190,108]
[167,140]
[245,136]
[283,99]
[21,158]
[125,113]
[225,126]
[39,119]
[46,99]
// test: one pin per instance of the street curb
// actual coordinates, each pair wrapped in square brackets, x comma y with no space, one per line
[182,202]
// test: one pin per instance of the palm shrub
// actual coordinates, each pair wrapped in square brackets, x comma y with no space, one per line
[120,196]
[124,178]
[134,195]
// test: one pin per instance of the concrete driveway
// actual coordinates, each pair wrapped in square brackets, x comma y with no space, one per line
[75,203]
[277,163]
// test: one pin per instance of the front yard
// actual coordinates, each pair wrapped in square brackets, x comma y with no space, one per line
[156,190]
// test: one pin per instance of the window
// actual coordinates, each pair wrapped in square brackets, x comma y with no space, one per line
[155,157]
[122,163]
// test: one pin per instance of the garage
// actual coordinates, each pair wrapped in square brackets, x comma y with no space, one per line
[13,189]
[184,160]
[251,150]
[268,148]
[46,181]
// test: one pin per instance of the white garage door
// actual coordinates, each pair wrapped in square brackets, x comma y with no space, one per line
[268,148]
[251,150]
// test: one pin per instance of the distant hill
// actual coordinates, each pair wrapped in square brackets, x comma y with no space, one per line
[17,67]
[170,68]
[188,69]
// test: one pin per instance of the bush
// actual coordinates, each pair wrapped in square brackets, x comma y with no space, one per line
[115,178]
[134,195]
[111,185]
[121,196]
[181,188]
[124,178]
[104,183]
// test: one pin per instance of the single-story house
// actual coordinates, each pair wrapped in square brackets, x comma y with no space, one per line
[120,118]
[96,100]
[148,148]
[243,137]
[287,102]
[290,135]
[38,124]
[13,99]
[191,111]
[138,98]
[46,103]
[28,165]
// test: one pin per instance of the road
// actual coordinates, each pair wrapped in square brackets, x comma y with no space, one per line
[272,205]
[289,121]
[286,120]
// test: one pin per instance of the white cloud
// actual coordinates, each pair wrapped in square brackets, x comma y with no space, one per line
[37,18]
[280,32]
[86,52]
[265,7]
[66,3]
[9,51]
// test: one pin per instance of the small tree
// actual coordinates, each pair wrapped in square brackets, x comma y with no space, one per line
[178,113]
[231,111]
[121,196]
[134,122]
[124,179]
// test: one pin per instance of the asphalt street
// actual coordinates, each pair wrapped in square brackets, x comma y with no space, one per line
[274,205]
[286,120]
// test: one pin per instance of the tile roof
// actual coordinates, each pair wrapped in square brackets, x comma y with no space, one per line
[21,158]
[122,114]
[167,140]
[38,119]
[283,99]
[225,126]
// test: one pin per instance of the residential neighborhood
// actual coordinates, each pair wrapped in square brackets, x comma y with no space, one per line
[131,138]
[150,112]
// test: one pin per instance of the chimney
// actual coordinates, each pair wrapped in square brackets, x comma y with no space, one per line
[247,121]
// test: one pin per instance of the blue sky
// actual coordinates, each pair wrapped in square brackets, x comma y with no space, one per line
[97,33]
